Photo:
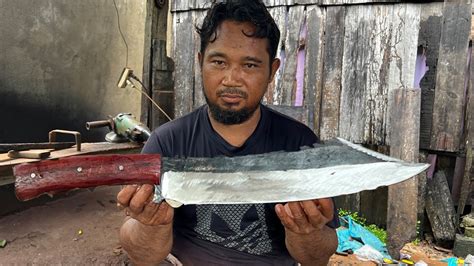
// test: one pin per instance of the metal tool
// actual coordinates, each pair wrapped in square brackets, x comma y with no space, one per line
[39,150]
[323,171]
[77,136]
[6,147]
[124,127]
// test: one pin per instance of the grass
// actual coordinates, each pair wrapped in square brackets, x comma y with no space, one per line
[379,232]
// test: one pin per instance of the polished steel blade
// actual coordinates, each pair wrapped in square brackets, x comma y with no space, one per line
[355,172]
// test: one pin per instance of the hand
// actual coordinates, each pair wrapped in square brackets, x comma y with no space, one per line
[137,201]
[305,217]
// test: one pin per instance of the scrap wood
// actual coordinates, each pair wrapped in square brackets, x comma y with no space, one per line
[466,182]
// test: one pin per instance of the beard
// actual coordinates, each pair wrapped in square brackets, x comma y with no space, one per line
[230,117]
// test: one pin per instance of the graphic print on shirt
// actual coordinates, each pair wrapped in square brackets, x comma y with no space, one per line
[226,225]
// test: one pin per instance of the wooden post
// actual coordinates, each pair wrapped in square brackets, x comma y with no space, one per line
[466,180]
[404,144]
[446,130]
[332,73]
[146,76]
[155,62]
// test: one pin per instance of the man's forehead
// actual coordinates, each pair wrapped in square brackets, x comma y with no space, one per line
[229,30]
[244,27]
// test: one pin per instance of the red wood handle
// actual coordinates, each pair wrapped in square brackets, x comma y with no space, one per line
[53,176]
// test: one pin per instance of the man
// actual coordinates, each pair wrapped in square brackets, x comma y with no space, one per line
[239,41]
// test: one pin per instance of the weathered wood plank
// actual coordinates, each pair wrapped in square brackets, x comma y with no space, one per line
[279,15]
[469,116]
[299,113]
[404,138]
[151,17]
[272,3]
[367,48]
[353,2]
[332,72]
[287,87]
[449,94]
[162,84]
[373,206]
[188,5]
[379,56]
[428,39]
[162,69]
[183,55]
[401,72]
[405,25]
[440,209]
[466,180]
[422,181]
[204,4]
[314,46]
[350,202]
[468,145]
[199,98]
[458,178]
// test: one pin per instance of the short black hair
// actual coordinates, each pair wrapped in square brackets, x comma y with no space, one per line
[253,11]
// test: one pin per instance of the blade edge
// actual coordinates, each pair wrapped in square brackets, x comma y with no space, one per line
[283,186]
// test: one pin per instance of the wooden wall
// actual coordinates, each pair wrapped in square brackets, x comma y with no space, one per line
[342,63]
[367,51]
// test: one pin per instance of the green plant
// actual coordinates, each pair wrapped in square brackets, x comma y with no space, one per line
[379,232]
[417,240]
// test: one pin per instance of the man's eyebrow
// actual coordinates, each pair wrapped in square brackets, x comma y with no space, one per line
[216,54]
[253,59]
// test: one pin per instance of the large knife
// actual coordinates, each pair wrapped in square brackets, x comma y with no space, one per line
[328,170]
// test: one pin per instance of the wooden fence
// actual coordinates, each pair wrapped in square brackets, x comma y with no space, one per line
[356,69]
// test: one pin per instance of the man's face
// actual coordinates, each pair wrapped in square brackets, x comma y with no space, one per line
[236,71]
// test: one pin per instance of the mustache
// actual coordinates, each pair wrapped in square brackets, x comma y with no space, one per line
[232,90]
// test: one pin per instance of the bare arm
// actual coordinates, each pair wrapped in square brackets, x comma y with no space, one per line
[308,239]
[147,235]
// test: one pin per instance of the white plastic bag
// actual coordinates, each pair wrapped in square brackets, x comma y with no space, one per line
[368,253]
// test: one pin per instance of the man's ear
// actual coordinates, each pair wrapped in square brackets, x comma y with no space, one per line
[200,58]
[274,68]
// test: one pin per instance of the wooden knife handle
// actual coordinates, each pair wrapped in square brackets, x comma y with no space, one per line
[53,176]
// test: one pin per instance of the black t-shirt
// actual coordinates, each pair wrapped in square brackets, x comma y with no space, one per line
[229,234]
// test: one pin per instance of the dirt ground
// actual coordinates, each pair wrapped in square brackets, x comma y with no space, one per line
[82,229]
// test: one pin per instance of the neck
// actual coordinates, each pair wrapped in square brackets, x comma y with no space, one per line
[236,135]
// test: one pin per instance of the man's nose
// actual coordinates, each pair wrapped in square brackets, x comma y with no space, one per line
[233,77]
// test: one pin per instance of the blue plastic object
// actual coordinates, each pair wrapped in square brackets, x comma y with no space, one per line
[355,236]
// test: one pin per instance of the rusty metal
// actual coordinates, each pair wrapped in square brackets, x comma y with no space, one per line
[6,147]
[77,135]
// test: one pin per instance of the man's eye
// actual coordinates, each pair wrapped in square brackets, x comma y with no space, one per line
[250,65]
[218,62]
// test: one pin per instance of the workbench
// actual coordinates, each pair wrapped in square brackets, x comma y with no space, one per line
[6,166]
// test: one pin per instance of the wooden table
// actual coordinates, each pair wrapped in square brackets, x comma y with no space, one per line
[6,167]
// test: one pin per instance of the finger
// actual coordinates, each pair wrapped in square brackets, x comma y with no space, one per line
[165,214]
[326,206]
[125,195]
[313,214]
[148,213]
[156,214]
[298,214]
[141,198]
[285,219]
